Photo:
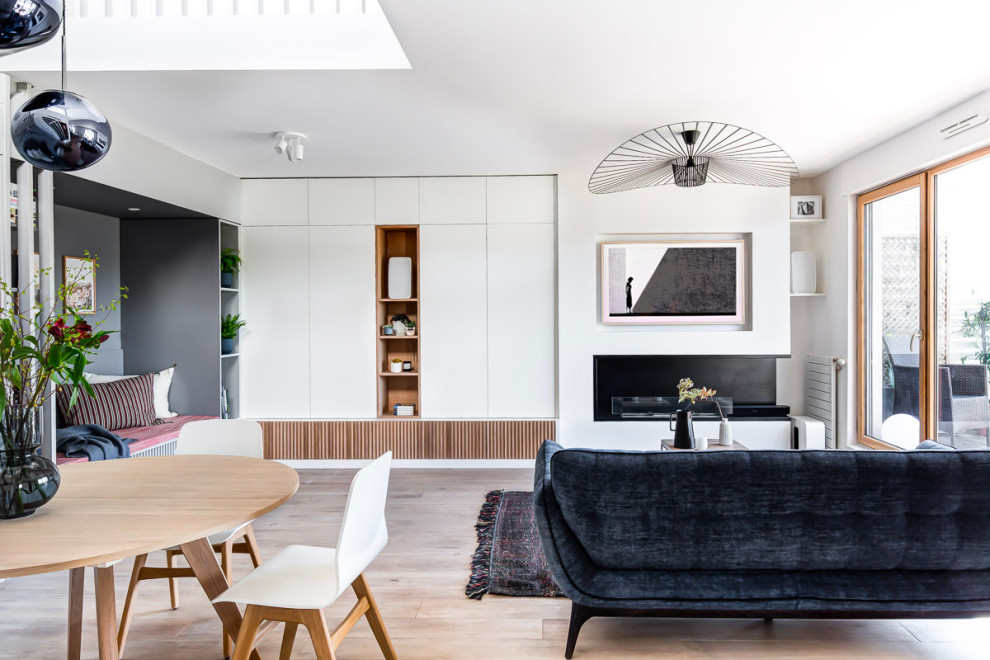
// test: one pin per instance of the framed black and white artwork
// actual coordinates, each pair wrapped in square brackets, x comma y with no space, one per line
[806,207]
[674,282]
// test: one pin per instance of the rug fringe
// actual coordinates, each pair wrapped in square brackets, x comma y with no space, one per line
[481,561]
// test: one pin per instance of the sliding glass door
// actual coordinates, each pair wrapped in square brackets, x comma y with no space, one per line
[891,320]
[961,301]
[924,297]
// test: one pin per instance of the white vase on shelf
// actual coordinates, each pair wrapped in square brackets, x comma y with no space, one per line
[803,276]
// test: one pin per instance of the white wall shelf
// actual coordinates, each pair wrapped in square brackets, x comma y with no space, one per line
[808,295]
[817,221]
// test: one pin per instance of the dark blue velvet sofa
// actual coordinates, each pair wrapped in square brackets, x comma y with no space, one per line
[812,534]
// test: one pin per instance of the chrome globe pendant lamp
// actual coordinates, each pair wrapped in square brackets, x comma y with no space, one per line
[58,130]
[691,154]
[26,23]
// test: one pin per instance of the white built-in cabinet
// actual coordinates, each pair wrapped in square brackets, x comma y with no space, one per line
[275,303]
[342,321]
[487,288]
[454,320]
[521,320]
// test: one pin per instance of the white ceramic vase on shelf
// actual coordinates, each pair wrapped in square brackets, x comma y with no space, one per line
[400,328]
[803,277]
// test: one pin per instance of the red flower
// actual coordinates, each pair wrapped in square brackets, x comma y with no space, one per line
[57,329]
[104,338]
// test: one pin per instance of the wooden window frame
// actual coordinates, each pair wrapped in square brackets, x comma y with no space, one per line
[928,388]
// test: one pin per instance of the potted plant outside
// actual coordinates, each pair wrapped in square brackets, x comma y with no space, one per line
[230,265]
[38,355]
[229,328]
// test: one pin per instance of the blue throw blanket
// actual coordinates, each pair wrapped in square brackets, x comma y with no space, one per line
[91,441]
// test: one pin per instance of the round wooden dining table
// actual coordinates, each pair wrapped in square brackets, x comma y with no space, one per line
[111,510]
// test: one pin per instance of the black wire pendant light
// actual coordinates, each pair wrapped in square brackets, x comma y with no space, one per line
[690,154]
[60,131]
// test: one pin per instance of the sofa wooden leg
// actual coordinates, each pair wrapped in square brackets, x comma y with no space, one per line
[768,620]
[579,614]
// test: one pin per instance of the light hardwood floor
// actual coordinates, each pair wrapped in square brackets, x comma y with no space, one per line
[419,583]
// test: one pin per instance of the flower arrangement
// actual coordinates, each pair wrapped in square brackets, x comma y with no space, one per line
[39,353]
[686,391]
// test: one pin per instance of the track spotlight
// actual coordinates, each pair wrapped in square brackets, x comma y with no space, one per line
[291,144]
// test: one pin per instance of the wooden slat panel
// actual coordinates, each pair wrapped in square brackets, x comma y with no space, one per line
[518,439]
[465,439]
[406,439]
[286,440]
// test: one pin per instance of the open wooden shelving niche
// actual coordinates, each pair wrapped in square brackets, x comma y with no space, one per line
[397,241]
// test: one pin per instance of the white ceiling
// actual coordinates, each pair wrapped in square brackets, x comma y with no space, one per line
[544,86]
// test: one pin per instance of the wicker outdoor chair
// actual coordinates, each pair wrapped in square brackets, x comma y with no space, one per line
[964,404]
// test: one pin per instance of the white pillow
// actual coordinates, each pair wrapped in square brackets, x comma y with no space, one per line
[162,383]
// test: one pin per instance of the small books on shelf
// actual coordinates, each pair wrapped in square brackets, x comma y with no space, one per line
[404,409]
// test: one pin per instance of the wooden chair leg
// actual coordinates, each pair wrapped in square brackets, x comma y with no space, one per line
[288,639]
[252,546]
[249,628]
[226,565]
[77,580]
[106,614]
[375,620]
[173,586]
[316,624]
[132,587]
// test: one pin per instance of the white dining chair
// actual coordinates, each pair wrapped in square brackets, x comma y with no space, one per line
[296,584]
[222,437]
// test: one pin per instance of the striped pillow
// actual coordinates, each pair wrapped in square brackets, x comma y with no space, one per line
[121,404]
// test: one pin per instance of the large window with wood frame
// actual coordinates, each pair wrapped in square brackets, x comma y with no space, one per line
[924,318]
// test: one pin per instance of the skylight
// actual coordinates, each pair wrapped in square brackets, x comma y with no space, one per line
[220,35]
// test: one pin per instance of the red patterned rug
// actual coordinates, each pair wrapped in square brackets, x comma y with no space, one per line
[509,560]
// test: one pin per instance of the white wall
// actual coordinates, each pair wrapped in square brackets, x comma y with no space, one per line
[140,165]
[831,326]
[586,219]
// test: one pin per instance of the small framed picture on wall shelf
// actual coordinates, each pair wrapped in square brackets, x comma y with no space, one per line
[79,278]
[806,207]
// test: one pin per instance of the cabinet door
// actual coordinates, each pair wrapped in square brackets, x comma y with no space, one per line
[454,321]
[275,304]
[274,202]
[341,201]
[342,321]
[522,335]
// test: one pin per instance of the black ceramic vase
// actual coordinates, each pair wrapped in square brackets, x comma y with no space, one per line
[684,430]
[27,481]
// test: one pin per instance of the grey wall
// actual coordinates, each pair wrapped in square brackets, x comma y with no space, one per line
[75,232]
[172,311]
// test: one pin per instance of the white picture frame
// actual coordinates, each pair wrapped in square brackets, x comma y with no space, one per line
[637,290]
[79,278]
[806,207]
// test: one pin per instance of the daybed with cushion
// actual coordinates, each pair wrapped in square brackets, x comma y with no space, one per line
[810,534]
[133,407]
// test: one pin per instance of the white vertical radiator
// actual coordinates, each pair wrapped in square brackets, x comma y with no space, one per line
[821,388]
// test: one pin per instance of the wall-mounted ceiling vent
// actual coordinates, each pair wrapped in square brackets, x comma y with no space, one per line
[963,125]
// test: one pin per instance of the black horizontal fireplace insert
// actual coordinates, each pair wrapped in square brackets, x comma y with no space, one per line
[750,381]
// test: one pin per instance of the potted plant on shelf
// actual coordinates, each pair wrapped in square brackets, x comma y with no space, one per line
[400,323]
[410,328]
[39,353]
[229,328]
[396,366]
[230,265]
